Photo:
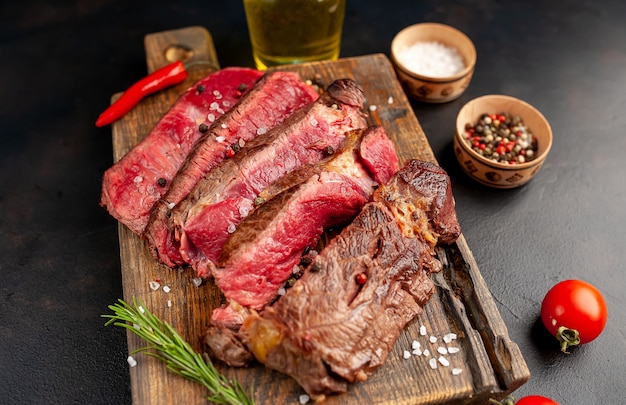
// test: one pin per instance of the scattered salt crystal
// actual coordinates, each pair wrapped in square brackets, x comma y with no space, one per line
[406,354]
[453,350]
[171,205]
[224,126]
[426,352]
[295,269]
[242,143]
[231,228]
[131,361]
[197,281]
[314,122]
[433,363]
[282,291]
[415,344]
[444,362]
[138,179]
[423,330]
[166,288]
[226,103]
[211,117]
[335,106]
[449,337]
[261,131]
[217,94]
[390,100]
[169,303]
[154,285]
[442,350]
[214,106]
[303,399]
[244,211]
[220,139]
[433,339]
[373,107]
[432,59]
[143,311]
[456,371]
[417,352]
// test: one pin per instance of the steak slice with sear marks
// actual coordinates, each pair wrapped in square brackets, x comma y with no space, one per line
[339,322]
[272,100]
[132,186]
[262,254]
[206,218]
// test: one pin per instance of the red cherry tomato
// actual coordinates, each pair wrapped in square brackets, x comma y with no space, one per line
[575,312]
[536,400]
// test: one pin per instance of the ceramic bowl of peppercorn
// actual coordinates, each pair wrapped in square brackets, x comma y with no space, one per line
[501,141]
[434,62]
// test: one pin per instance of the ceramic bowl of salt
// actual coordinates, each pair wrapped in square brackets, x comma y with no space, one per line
[434,62]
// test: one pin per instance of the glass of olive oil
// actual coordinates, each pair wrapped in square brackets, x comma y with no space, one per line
[294,31]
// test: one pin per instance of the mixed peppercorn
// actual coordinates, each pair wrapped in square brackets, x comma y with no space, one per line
[502,138]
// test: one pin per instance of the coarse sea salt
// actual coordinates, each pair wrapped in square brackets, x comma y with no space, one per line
[432,59]
[131,361]
[433,363]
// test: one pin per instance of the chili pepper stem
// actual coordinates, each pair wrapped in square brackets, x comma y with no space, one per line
[567,338]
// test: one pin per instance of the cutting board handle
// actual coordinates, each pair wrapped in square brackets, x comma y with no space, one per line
[191,45]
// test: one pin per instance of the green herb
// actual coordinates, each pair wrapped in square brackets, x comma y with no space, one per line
[168,346]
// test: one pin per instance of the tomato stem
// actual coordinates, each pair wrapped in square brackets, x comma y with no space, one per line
[567,338]
[506,401]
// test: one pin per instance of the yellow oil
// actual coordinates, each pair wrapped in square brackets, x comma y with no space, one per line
[294,31]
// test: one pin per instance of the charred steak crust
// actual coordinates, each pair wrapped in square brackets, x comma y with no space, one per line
[132,186]
[332,327]
[272,100]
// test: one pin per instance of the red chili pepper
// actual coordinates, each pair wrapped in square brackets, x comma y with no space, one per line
[169,75]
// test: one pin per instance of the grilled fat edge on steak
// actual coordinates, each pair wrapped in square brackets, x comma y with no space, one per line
[261,255]
[340,320]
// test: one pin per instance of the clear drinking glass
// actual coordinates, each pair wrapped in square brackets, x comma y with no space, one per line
[294,31]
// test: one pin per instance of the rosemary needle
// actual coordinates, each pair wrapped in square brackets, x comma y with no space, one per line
[165,344]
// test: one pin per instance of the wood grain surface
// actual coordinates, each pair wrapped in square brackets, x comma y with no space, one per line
[490,364]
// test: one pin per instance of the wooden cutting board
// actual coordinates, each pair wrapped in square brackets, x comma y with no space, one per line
[488,364]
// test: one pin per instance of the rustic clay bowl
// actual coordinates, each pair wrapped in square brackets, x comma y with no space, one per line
[433,89]
[490,172]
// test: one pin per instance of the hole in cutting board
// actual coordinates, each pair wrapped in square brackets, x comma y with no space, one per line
[178,52]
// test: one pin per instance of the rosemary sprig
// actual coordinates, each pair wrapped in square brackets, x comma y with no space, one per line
[165,344]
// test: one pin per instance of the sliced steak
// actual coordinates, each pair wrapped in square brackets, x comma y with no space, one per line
[212,211]
[338,322]
[274,98]
[261,255]
[132,186]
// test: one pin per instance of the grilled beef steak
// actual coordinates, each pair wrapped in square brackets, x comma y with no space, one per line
[274,98]
[260,256]
[133,185]
[339,321]
[212,211]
